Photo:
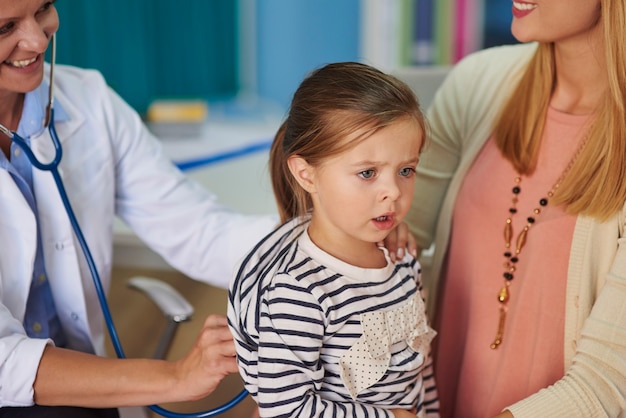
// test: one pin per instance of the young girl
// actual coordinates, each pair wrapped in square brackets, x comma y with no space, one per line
[325,324]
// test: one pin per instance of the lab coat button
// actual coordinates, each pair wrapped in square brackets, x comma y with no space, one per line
[59,246]
[17,152]
[74,316]
[37,327]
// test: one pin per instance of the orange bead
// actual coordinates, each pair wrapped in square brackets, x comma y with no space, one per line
[503,294]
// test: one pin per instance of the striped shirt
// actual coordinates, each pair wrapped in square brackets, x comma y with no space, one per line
[295,311]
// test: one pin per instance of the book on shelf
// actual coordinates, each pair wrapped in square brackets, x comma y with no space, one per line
[398,33]
[423,42]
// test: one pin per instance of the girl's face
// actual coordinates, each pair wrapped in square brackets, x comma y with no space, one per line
[554,20]
[25,30]
[360,195]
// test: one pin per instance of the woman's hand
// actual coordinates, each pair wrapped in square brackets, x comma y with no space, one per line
[211,358]
[400,240]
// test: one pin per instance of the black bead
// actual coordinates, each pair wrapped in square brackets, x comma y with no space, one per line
[513,210]
[516,190]
[530,220]
[508,276]
[514,259]
[507,254]
[543,202]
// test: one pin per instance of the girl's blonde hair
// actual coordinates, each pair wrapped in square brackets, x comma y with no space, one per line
[596,184]
[332,103]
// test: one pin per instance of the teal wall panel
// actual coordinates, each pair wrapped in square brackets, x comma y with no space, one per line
[153,48]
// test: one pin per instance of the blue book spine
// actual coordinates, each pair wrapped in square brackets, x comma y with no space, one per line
[423,46]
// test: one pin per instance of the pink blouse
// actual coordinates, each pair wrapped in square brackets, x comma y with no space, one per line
[473,379]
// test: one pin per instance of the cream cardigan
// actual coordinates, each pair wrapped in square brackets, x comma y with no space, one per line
[461,119]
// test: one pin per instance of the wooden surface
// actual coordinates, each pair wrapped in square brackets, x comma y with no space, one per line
[139,325]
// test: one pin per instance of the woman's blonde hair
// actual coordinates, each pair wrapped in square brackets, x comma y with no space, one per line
[330,104]
[596,184]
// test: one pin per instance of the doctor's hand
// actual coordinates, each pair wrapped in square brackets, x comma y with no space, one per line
[68,377]
[399,241]
[211,358]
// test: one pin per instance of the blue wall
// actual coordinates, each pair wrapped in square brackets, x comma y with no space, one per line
[498,18]
[152,49]
[297,36]
[169,50]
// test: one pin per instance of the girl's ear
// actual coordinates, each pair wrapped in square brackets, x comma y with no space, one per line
[303,172]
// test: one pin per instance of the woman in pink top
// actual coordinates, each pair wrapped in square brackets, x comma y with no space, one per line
[526,184]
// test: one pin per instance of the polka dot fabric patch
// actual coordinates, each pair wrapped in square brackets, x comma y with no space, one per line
[368,359]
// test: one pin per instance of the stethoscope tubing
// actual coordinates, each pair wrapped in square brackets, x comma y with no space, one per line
[53,168]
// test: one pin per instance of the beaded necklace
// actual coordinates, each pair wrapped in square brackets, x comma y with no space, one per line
[511,257]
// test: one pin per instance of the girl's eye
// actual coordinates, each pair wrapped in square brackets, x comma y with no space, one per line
[367,174]
[407,171]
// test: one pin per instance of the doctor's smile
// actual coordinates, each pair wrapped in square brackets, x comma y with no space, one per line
[21,63]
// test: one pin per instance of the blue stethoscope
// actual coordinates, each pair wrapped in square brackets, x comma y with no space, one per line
[53,168]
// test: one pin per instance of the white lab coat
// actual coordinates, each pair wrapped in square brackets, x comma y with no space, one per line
[111,165]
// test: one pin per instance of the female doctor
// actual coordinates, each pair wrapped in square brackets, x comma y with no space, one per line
[50,320]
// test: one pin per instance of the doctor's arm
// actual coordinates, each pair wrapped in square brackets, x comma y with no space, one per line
[175,216]
[67,377]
